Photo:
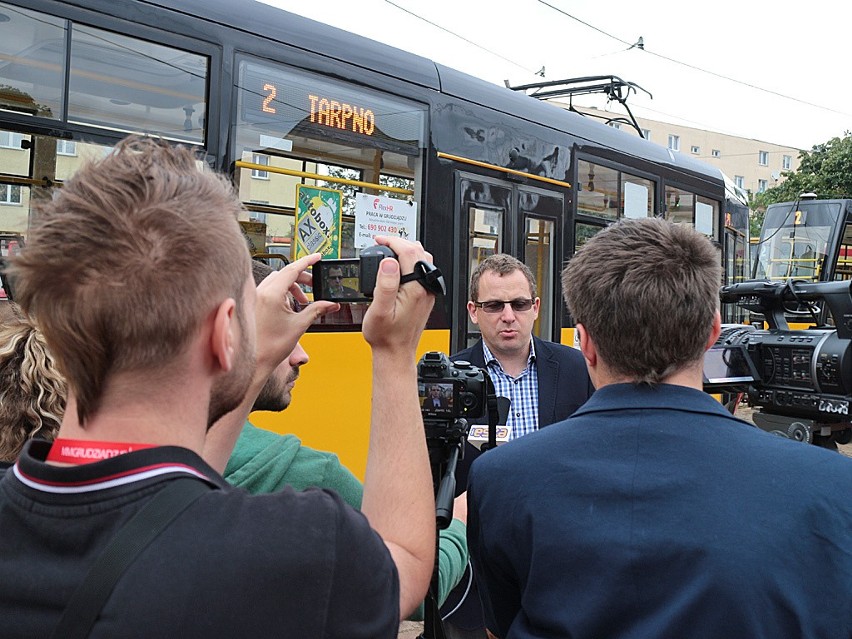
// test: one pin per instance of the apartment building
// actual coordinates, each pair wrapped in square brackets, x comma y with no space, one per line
[753,165]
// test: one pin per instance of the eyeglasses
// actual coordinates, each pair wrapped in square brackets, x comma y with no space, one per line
[497,306]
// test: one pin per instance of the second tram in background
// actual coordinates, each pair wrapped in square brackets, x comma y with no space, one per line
[808,240]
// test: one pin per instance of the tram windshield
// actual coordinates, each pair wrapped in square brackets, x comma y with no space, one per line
[795,239]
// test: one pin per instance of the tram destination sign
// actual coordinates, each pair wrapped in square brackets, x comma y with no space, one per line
[275,96]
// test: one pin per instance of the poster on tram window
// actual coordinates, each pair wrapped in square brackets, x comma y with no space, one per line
[377,215]
[318,219]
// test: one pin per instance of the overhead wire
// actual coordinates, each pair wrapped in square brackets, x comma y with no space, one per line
[437,26]
[460,37]
[691,66]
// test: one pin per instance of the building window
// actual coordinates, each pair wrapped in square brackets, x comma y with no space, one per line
[739,180]
[695,150]
[674,142]
[763,158]
[761,186]
[10,194]
[615,125]
[260,174]
[66,147]
[10,140]
[646,133]
[787,162]
[716,153]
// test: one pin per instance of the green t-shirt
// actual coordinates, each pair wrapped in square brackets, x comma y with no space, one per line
[263,462]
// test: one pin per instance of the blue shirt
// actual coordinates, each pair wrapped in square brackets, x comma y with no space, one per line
[522,391]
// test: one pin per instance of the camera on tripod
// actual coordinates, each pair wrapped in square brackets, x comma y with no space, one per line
[451,393]
[802,379]
[448,389]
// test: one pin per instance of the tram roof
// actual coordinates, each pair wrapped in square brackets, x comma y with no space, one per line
[261,20]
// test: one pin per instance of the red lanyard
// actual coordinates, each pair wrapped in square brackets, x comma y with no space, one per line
[83,451]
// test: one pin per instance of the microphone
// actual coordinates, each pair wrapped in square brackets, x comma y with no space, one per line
[478,434]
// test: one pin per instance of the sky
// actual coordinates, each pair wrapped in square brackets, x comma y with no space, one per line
[754,69]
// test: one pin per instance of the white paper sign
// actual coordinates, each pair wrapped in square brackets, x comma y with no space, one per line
[635,200]
[378,215]
[704,218]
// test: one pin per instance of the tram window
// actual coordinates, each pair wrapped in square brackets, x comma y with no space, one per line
[67,164]
[14,153]
[584,232]
[485,238]
[680,207]
[843,267]
[608,193]
[33,52]
[114,81]
[597,190]
[707,217]
[44,155]
[538,255]
[701,213]
[316,131]
[486,234]
[136,86]
[14,208]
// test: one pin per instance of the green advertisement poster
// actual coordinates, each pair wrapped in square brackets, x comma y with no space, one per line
[318,219]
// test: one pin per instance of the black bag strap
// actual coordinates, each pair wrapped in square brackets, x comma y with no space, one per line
[89,598]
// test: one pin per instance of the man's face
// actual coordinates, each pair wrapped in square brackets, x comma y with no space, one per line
[508,332]
[276,393]
[229,389]
[335,278]
[435,391]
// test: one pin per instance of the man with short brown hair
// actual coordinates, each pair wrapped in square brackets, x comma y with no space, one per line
[653,512]
[139,277]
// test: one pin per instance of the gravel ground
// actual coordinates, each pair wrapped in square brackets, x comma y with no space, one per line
[410,629]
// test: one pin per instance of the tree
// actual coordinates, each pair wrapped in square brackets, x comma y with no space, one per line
[825,170]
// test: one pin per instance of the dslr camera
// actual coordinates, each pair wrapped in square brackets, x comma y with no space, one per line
[450,394]
[802,379]
[450,390]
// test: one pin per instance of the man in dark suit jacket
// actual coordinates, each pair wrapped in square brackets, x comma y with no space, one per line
[563,386]
[545,382]
[652,511]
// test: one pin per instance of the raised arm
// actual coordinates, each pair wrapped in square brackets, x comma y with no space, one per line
[279,328]
[398,497]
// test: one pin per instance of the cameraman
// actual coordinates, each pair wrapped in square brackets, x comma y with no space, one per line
[263,461]
[663,515]
[138,275]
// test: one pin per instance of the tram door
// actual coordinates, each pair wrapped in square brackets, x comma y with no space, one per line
[498,216]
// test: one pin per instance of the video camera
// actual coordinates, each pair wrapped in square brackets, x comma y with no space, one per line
[801,374]
[365,270]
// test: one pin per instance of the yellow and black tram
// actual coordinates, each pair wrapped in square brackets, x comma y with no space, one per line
[282,103]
